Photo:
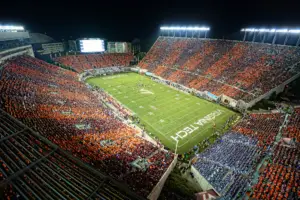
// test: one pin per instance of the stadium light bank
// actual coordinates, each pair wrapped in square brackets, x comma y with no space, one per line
[272,31]
[11,28]
[184,31]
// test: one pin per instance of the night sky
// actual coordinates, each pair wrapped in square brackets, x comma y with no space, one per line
[126,20]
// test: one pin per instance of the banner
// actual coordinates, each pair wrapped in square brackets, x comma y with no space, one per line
[149,74]
[212,96]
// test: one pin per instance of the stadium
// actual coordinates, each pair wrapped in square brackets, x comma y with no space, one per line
[92,122]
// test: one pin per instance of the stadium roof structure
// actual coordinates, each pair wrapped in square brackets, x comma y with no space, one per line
[184,31]
[39,38]
[273,31]
[33,167]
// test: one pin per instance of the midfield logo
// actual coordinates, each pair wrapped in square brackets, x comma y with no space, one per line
[143,91]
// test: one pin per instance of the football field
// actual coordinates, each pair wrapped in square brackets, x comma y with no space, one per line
[172,116]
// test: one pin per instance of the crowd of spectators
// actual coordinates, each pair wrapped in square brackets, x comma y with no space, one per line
[216,175]
[13,44]
[33,168]
[241,70]
[54,103]
[50,100]
[263,127]
[89,61]
[103,96]
[280,179]
[293,129]
[229,164]
[236,156]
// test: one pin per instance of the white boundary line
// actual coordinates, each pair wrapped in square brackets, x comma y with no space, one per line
[203,116]
[115,96]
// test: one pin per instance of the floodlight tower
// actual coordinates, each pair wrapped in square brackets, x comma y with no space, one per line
[11,28]
[195,31]
[274,31]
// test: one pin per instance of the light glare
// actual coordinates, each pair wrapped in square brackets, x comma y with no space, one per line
[263,30]
[281,30]
[10,27]
[294,31]
[196,28]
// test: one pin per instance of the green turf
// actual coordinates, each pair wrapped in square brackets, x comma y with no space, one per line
[163,110]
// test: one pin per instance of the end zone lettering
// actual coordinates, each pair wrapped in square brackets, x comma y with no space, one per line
[201,122]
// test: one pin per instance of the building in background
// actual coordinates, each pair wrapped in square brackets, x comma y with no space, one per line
[72,46]
[136,46]
[119,47]
[51,48]
[45,47]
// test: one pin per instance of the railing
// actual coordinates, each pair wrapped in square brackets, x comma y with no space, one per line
[154,194]
[55,149]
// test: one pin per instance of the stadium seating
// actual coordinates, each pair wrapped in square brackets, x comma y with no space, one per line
[90,61]
[281,177]
[33,168]
[12,44]
[240,70]
[228,165]
[50,100]
[263,127]
[293,128]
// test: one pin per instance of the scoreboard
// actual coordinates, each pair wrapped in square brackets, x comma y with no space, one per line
[91,45]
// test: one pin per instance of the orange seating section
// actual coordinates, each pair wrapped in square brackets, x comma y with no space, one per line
[240,70]
[50,100]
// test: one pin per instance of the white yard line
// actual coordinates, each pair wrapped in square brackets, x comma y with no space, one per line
[178,105]
[157,131]
[171,116]
[189,122]
[174,109]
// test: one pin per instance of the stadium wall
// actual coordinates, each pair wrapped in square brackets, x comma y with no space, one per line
[99,72]
[154,194]
[228,100]
[232,103]
[203,183]
[145,135]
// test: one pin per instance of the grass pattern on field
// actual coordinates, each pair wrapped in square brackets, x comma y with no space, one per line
[163,110]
